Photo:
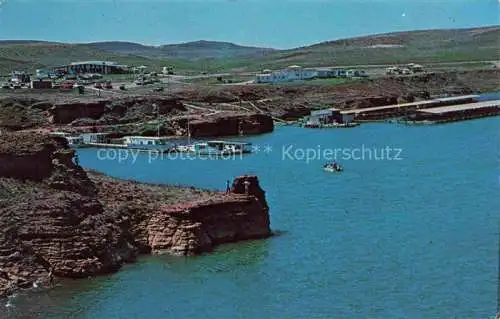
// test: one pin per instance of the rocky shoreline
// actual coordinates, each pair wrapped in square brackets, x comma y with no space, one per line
[56,216]
[132,115]
[224,110]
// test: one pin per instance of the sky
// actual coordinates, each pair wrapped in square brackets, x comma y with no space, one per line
[280,24]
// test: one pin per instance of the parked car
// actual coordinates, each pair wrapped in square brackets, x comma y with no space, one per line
[108,85]
[98,85]
[5,86]
[122,87]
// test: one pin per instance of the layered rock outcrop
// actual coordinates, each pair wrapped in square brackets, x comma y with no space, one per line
[56,216]
[121,109]
[199,226]
[50,216]
[227,124]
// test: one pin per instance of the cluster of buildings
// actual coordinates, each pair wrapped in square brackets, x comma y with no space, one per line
[406,69]
[297,73]
[83,68]
[101,67]
[330,117]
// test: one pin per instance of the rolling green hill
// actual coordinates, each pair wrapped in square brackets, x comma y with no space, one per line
[187,51]
[457,45]
[31,55]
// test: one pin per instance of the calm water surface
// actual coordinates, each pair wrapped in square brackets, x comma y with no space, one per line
[414,238]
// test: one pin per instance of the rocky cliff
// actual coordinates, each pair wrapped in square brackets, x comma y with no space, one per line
[227,124]
[50,216]
[160,222]
[199,226]
[123,109]
[54,215]
[132,115]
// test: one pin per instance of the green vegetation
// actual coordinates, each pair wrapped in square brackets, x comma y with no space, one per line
[430,46]
[39,55]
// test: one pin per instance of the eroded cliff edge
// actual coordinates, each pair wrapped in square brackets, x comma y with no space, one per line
[55,215]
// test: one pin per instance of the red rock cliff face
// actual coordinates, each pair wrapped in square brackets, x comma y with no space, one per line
[200,226]
[161,223]
[50,216]
[54,215]
[227,125]
[68,111]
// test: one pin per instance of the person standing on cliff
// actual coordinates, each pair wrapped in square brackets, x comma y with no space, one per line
[228,188]
[247,185]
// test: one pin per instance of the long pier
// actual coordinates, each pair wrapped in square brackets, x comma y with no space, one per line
[462,107]
[388,111]
[456,112]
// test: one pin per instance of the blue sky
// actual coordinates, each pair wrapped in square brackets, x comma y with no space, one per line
[271,23]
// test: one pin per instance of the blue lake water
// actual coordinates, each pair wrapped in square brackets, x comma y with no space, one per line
[489,96]
[410,238]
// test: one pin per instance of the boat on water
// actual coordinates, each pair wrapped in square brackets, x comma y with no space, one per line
[215,148]
[330,125]
[333,168]
[74,141]
[141,143]
[153,143]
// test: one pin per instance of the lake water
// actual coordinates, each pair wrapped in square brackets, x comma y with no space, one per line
[410,238]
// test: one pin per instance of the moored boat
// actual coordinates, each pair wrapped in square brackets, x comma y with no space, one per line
[215,148]
[331,125]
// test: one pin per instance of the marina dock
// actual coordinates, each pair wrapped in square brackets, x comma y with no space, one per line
[400,110]
[121,146]
[456,112]
[462,107]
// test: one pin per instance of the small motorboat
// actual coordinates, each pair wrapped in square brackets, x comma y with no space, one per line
[333,168]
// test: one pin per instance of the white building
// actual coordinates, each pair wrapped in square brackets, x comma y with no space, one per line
[292,73]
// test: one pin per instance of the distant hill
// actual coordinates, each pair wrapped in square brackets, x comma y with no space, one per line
[28,55]
[475,44]
[189,51]
[120,47]
[456,45]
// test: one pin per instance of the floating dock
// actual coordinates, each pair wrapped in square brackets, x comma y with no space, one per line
[456,112]
[400,110]
[462,107]
[121,146]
